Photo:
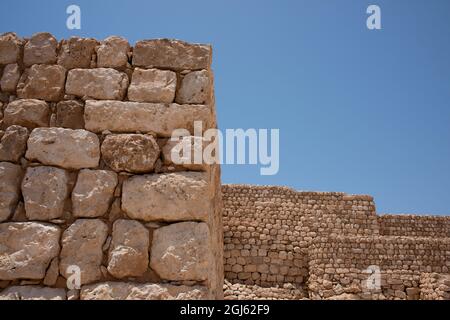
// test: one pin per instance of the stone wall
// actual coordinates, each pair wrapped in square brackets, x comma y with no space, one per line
[87,180]
[416,226]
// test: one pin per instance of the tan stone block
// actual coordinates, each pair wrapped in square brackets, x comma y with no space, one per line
[70,114]
[45,82]
[30,113]
[10,179]
[152,85]
[40,49]
[77,52]
[10,47]
[113,53]
[13,143]
[195,88]
[32,293]
[10,77]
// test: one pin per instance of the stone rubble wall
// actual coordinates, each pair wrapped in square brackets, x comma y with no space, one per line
[434,286]
[86,174]
[415,226]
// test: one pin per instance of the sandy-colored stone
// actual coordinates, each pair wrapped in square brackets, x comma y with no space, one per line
[196,145]
[82,246]
[99,83]
[10,77]
[195,88]
[119,116]
[171,54]
[52,273]
[93,192]
[135,153]
[70,114]
[181,251]
[152,85]
[10,179]
[128,255]
[30,113]
[113,53]
[13,143]
[77,52]
[146,291]
[26,249]
[44,191]
[33,293]
[67,148]
[10,49]
[177,196]
[40,49]
[45,82]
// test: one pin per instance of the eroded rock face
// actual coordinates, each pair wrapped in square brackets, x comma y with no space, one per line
[67,148]
[77,52]
[124,116]
[70,114]
[13,143]
[93,192]
[82,246]
[135,291]
[128,255]
[30,113]
[135,153]
[40,49]
[45,82]
[26,249]
[195,88]
[177,196]
[152,85]
[32,293]
[113,53]
[10,77]
[10,179]
[9,48]
[44,191]
[180,251]
[99,83]
[171,54]
[181,148]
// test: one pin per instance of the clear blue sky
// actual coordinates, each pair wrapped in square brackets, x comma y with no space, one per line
[359,111]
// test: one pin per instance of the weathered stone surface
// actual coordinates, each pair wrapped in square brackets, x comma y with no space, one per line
[40,49]
[181,251]
[171,54]
[26,249]
[99,83]
[128,255]
[152,85]
[113,53]
[9,48]
[30,113]
[51,276]
[67,148]
[82,246]
[70,114]
[10,179]
[136,153]
[195,88]
[13,143]
[169,197]
[136,291]
[42,81]
[196,145]
[93,192]
[77,52]
[10,77]
[145,117]
[32,293]
[44,191]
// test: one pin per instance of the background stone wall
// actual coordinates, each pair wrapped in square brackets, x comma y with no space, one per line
[415,226]
[86,176]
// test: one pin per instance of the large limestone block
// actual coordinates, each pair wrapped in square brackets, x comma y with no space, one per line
[171,54]
[152,85]
[161,119]
[128,255]
[10,77]
[136,153]
[93,192]
[146,291]
[195,88]
[70,114]
[67,148]
[77,52]
[9,48]
[82,246]
[99,83]
[45,82]
[180,251]
[10,179]
[44,191]
[26,249]
[40,49]
[30,113]
[176,196]
[113,53]
[176,152]
[33,293]
[13,143]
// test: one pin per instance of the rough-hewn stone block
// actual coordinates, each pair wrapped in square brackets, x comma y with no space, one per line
[10,77]
[70,114]
[45,82]
[40,49]
[113,53]
[33,293]
[30,113]
[195,88]
[10,179]
[13,143]
[77,52]
[152,85]
[10,48]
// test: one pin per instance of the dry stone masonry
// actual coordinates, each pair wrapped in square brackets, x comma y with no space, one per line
[83,179]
